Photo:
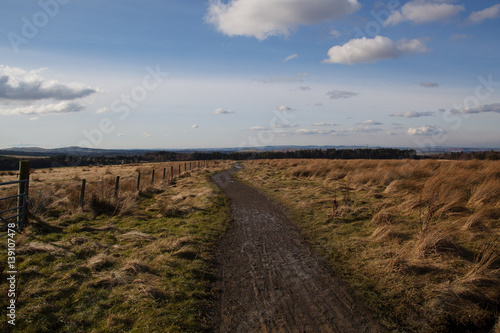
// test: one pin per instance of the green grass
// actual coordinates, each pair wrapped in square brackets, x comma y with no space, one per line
[146,271]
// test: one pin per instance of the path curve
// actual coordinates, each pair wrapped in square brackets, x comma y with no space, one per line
[268,278]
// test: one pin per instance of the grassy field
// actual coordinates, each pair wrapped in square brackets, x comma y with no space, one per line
[418,240]
[141,262]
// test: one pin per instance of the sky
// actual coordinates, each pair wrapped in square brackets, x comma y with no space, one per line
[243,73]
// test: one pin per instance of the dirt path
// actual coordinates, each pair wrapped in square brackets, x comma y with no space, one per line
[270,281]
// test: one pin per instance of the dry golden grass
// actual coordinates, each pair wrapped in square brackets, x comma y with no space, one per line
[411,236]
[120,264]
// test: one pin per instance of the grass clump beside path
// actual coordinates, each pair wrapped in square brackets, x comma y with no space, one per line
[146,268]
[418,240]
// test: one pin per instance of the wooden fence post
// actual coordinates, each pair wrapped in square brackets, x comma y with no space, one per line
[179,170]
[138,180]
[82,194]
[152,177]
[117,183]
[164,173]
[24,175]
[171,173]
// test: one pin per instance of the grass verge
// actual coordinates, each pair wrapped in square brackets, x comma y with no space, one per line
[146,270]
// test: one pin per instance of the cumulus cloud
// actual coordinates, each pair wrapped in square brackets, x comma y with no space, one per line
[419,11]
[412,114]
[480,109]
[296,78]
[290,57]
[366,50]
[485,14]
[426,131]
[371,123]
[194,126]
[429,84]
[20,85]
[222,111]
[62,107]
[264,18]
[324,123]
[338,94]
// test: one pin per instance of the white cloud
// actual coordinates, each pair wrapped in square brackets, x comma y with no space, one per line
[103,110]
[305,131]
[62,107]
[412,114]
[146,135]
[426,130]
[361,130]
[371,123]
[419,11]
[480,109]
[264,18]
[429,84]
[194,126]
[338,94]
[304,88]
[365,50]
[34,118]
[485,14]
[21,85]
[257,128]
[222,111]
[290,57]
[324,123]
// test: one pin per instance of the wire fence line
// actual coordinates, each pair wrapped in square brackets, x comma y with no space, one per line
[78,191]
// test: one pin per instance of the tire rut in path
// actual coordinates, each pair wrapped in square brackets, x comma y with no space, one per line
[268,278]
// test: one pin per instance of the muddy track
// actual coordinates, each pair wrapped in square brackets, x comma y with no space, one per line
[268,278]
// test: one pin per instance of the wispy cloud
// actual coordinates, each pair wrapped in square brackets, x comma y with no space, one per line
[485,14]
[103,110]
[371,123]
[412,114]
[480,109]
[426,131]
[366,50]
[223,111]
[62,107]
[262,19]
[283,108]
[429,84]
[339,94]
[290,57]
[418,11]
[324,123]
[257,128]
[194,126]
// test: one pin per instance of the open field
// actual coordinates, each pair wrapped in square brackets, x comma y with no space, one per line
[418,240]
[140,262]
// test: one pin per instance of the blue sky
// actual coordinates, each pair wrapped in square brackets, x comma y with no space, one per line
[187,74]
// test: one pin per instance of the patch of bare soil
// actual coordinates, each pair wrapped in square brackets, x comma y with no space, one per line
[269,280]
